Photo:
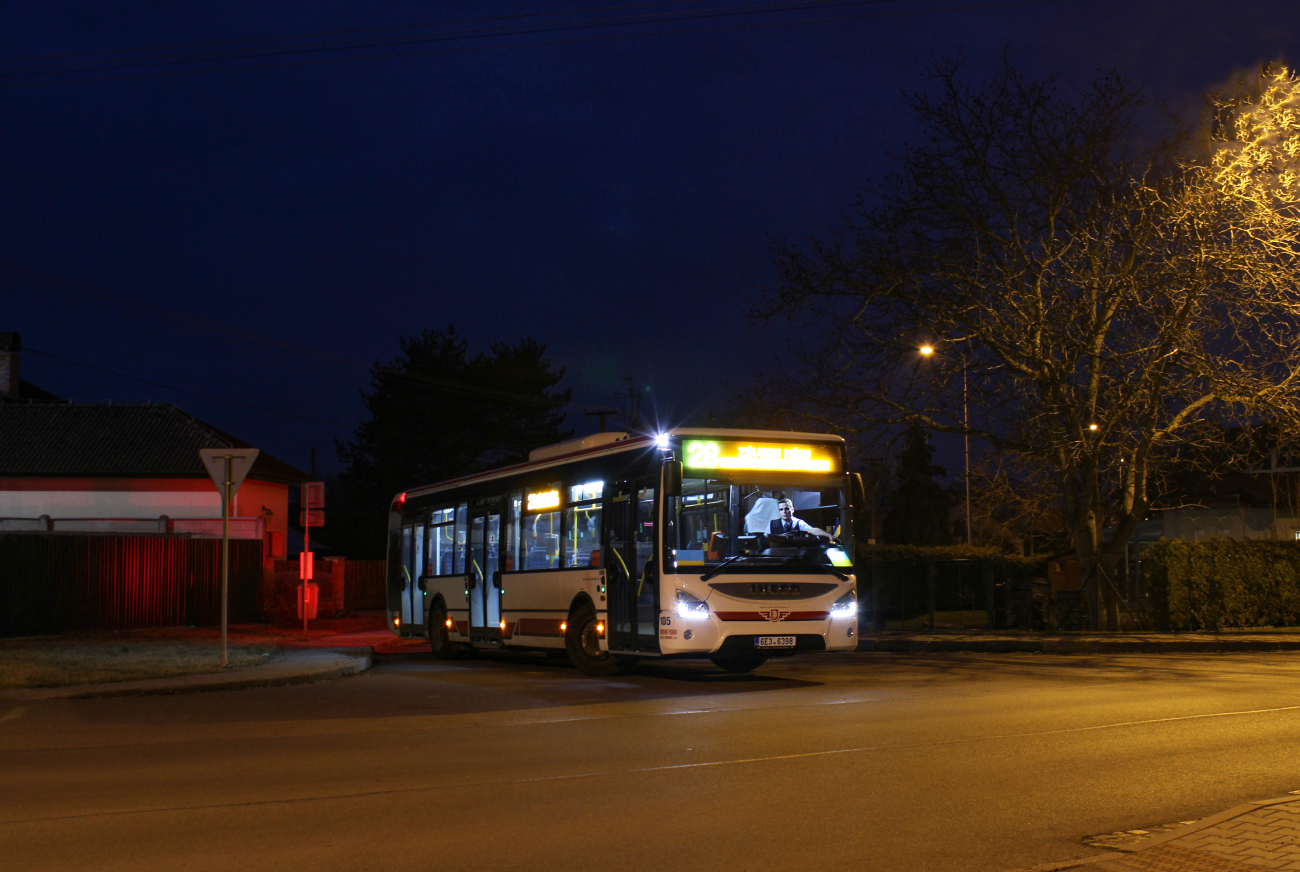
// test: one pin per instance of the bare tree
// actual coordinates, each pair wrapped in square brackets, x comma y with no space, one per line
[1110,299]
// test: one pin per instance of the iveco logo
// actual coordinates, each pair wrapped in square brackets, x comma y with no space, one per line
[775,615]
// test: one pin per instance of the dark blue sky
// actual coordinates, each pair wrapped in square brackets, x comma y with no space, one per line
[263,235]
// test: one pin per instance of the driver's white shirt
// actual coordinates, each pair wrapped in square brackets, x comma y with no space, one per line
[799,525]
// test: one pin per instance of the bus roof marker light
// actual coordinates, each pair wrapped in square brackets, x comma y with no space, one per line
[401,498]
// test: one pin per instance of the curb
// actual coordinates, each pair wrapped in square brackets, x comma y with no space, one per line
[331,663]
[1075,646]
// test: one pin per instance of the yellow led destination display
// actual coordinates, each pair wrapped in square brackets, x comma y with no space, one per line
[543,500]
[771,456]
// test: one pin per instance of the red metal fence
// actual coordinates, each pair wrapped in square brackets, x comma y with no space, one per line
[366,585]
[53,583]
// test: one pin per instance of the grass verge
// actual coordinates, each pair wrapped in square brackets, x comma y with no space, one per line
[42,663]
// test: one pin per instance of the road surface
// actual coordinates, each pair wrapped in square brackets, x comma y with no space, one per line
[863,762]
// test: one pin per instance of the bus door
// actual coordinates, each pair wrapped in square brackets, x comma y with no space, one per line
[645,571]
[620,558]
[630,573]
[484,580]
[412,560]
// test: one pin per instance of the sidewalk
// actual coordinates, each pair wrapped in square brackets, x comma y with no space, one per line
[1264,834]
[1009,642]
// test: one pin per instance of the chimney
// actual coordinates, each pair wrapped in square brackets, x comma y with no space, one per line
[11,344]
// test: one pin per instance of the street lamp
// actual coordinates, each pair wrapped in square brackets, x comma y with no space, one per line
[926,351]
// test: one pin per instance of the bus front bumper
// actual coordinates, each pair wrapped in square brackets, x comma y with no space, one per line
[774,633]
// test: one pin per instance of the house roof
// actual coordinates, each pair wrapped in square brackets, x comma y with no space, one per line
[155,440]
[30,393]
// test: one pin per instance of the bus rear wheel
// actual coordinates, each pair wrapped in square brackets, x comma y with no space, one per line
[739,663]
[582,641]
[439,638]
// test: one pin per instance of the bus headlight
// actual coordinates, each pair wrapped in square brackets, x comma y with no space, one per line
[691,607]
[845,607]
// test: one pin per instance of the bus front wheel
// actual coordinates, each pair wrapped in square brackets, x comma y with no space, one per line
[582,641]
[439,638]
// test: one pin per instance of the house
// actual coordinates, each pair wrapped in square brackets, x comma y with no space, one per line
[1234,506]
[129,469]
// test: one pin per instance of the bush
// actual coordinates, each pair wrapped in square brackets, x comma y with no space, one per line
[1221,583]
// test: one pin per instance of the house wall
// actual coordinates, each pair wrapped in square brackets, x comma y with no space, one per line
[108,498]
[145,498]
[1228,522]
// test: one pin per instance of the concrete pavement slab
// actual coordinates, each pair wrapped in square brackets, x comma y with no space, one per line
[1263,834]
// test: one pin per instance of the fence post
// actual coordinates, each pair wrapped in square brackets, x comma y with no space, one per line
[929,590]
[992,604]
[875,595]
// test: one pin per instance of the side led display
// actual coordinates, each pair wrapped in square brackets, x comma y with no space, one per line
[774,457]
[543,500]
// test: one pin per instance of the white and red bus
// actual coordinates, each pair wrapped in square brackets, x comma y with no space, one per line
[732,545]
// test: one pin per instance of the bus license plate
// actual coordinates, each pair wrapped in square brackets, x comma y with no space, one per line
[774,641]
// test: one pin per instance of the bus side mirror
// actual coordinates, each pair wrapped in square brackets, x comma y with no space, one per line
[857,492]
[672,478]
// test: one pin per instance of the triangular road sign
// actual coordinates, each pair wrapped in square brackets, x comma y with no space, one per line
[241,461]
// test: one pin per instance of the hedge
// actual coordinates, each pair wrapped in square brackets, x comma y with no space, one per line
[998,559]
[1220,583]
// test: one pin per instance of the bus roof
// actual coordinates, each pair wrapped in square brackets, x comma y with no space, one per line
[617,445]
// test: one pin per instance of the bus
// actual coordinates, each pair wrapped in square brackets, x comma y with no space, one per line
[731,545]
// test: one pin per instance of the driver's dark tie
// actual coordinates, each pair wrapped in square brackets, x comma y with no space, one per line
[789,526]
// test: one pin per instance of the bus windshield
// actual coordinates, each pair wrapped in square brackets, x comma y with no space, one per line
[752,525]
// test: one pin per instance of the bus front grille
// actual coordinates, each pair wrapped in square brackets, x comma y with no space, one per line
[766,590]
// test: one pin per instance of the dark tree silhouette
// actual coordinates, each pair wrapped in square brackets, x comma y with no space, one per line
[918,513]
[438,412]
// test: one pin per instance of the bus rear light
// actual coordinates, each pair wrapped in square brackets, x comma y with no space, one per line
[397,621]
[449,623]
[564,626]
[600,629]
[503,626]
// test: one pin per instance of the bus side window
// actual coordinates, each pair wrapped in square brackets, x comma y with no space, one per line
[542,537]
[462,537]
[514,505]
[442,536]
[645,529]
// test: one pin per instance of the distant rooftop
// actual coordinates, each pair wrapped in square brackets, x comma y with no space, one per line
[117,440]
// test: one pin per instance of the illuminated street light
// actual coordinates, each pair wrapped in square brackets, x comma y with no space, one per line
[926,351]
[1092,426]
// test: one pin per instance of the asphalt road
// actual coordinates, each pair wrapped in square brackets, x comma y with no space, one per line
[870,761]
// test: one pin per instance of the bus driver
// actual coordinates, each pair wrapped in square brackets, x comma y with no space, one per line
[788,523]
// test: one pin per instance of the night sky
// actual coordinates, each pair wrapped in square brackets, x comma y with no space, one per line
[261,236]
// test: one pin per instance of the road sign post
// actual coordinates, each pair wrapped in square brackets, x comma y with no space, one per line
[227,467]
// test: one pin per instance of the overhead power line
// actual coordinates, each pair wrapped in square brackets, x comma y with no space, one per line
[64,71]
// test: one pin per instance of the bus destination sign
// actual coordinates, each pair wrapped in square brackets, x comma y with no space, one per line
[768,456]
[543,500]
